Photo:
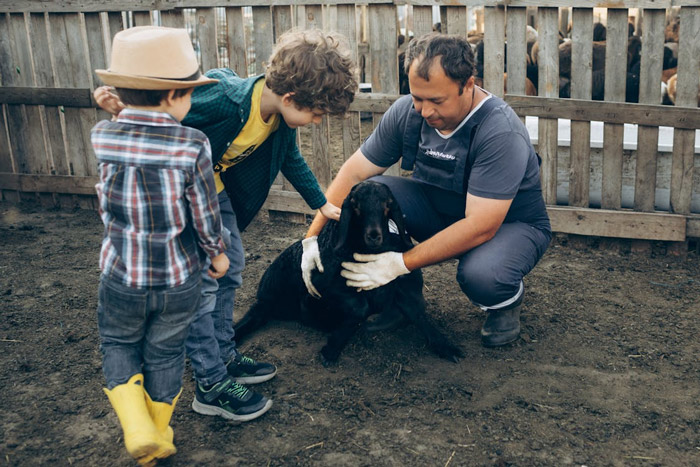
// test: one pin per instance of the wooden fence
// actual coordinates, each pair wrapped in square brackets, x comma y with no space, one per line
[49,49]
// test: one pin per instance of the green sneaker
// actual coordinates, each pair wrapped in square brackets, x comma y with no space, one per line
[245,370]
[230,400]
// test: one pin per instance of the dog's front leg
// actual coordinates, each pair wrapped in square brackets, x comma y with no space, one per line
[353,317]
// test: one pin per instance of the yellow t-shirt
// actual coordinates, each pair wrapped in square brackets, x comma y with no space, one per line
[254,133]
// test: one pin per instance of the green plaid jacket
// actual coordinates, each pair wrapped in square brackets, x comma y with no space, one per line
[220,111]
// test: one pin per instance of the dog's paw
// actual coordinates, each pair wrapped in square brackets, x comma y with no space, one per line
[328,357]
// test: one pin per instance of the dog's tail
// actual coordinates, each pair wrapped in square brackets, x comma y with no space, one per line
[257,316]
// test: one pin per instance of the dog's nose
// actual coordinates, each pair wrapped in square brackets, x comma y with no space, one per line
[374,237]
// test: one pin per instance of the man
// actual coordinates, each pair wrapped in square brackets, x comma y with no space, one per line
[474,194]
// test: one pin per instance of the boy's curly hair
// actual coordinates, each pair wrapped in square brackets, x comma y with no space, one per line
[316,67]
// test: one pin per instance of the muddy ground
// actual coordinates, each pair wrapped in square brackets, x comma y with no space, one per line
[606,371]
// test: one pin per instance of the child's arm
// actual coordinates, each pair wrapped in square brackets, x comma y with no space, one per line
[295,169]
[204,206]
[219,266]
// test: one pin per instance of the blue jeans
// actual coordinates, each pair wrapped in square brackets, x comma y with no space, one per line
[144,331]
[210,343]
[491,274]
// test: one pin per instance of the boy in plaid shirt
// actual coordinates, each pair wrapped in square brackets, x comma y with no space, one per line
[251,124]
[159,205]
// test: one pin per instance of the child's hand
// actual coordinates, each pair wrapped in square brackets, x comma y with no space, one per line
[108,100]
[331,211]
[219,266]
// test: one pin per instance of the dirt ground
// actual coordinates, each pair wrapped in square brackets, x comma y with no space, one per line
[606,372]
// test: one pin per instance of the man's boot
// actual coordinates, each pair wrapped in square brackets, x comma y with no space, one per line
[141,437]
[502,326]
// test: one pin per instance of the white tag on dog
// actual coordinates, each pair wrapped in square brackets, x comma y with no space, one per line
[392,227]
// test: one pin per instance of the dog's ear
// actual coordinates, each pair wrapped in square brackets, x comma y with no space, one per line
[396,215]
[347,212]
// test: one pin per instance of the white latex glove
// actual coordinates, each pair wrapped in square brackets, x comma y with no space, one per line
[310,260]
[373,271]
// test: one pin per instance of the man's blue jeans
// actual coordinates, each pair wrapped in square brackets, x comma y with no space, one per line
[210,343]
[491,274]
[144,331]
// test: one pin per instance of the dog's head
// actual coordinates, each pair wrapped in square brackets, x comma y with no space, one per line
[365,216]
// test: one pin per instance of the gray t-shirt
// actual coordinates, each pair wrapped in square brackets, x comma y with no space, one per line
[500,162]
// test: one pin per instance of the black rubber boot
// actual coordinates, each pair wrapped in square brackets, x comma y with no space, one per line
[501,326]
[386,320]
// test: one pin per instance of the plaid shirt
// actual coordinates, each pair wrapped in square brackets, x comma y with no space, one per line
[221,110]
[157,199]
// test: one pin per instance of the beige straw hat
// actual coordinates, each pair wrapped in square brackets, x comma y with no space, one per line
[152,57]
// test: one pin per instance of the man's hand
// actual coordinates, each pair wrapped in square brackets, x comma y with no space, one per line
[310,260]
[108,100]
[219,266]
[331,211]
[373,271]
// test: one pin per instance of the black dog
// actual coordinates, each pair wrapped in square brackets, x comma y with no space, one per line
[363,228]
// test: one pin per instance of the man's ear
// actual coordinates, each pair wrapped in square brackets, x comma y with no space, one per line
[469,84]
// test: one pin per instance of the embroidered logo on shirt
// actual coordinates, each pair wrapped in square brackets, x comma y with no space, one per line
[440,155]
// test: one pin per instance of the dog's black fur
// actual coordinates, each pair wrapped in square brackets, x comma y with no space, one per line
[363,228]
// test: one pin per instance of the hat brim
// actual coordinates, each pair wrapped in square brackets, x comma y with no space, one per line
[119,80]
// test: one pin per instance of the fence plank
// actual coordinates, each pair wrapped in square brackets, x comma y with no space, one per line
[649,93]
[71,59]
[422,20]
[236,43]
[686,95]
[262,36]
[581,73]
[494,39]
[383,47]
[454,20]
[548,77]
[172,18]
[615,83]
[206,35]
[34,159]
[283,19]
[351,123]
[517,50]
[141,18]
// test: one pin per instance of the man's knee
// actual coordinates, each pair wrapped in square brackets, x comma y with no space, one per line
[486,287]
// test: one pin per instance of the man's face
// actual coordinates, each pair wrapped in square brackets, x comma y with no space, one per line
[439,100]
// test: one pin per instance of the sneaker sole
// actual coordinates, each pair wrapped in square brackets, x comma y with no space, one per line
[254,379]
[204,409]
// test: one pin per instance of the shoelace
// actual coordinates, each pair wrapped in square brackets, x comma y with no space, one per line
[237,390]
[247,360]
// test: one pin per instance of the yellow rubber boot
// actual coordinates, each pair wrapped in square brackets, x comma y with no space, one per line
[141,437]
[161,413]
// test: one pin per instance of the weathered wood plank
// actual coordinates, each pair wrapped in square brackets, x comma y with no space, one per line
[351,123]
[454,20]
[34,159]
[422,20]
[141,18]
[649,93]
[69,6]
[618,224]
[613,112]
[581,73]
[40,183]
[494,40]
[517,50]
[615,69]
[6,161]
[172,18]
[682,165]
[236,43]
[548,74]
[71,71]
[15,115]
[206,35]
[283,19]
[262,36]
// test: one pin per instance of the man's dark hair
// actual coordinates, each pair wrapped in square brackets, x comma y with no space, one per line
[456,56]
[152,97]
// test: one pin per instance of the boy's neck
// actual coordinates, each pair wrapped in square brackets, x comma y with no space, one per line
[270,103]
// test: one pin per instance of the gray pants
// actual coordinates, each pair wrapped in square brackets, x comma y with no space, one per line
[491,274]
